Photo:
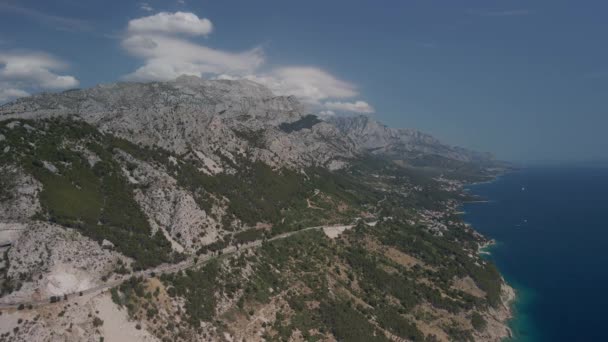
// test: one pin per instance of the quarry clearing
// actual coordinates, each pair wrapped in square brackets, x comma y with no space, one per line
[334,231]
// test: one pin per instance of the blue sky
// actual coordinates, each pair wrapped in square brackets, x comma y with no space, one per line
[526,80]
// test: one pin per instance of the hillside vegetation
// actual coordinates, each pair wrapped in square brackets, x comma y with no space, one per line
[254,222]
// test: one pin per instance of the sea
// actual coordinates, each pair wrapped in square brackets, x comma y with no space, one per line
[550,224]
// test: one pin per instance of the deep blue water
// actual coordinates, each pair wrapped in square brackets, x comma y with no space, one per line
[552,247]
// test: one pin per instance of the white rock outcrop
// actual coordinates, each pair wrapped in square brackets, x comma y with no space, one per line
[52,260]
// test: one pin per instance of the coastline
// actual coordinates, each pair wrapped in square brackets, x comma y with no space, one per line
[499,320]
[482,248]
[498,327]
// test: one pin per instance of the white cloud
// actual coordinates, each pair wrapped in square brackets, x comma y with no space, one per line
[146,7]
[35,68]
[172,23]
[7,94]
[326,113]
[159,41]
[24,71]
[156,40]
[357,106]
[166,58]
[310,84]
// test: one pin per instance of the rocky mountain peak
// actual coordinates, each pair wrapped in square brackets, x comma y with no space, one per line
[241,88]
[224,118]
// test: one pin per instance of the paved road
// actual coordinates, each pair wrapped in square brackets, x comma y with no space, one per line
[162,269]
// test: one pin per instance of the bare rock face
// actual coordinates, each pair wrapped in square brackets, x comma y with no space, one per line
[496,329]
[49,260]
[228,118]
[42,259]
[170,208]
[184,115]
[19,197]
[176,213]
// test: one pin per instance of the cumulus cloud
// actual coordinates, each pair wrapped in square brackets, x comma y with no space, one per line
[311,85]
[24,71]
[307,83]
[174,23]
[7,93]
[158,41]
[356,107]
[166,58]
[326,113]
[166,44]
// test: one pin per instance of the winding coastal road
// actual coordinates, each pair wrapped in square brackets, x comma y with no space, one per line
[166,268]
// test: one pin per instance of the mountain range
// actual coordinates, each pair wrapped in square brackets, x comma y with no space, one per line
[214,210]
[191,114]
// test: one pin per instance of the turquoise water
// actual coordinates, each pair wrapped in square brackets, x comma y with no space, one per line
[552,233]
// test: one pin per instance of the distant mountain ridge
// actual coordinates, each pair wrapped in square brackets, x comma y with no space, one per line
[378,138]
[215,118]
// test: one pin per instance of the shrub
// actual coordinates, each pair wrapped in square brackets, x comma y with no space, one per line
[97,322]
[478,322]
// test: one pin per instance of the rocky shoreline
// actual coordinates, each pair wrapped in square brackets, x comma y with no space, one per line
[497,319]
